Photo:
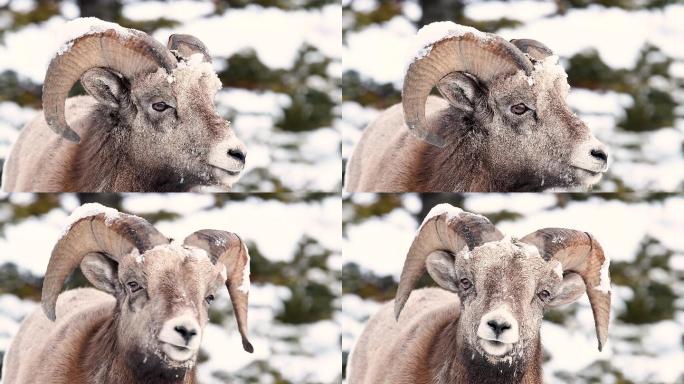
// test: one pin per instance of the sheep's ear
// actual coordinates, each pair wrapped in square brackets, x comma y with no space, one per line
[440,266]
[572,288]
[104,85]
[101,272]
[461,90]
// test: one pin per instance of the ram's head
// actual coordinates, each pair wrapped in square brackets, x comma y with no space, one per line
[157,100]
[511,93]
[505,285]
[162,289]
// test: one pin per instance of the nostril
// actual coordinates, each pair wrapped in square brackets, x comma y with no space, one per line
[599,154]
[237,155]
[497,327]
[185,333]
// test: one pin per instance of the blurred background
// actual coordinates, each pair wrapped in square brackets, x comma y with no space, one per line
[279,62]
[624,59]
[641,233]
[295,248]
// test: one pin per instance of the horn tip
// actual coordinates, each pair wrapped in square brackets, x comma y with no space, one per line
[72,136]
[247,346]
[398,307]
[49,311]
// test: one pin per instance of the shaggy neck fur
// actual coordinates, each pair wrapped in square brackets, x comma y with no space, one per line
[461,164]
[102,164]
[452,361]
[103,360]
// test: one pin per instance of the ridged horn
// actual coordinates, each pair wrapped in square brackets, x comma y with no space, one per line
[188,45]
[128,52]
[579,252]
[536,50]
[228,249]
[110,233]
[445,228]
[485,56]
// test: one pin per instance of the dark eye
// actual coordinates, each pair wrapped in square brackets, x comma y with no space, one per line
[466,284]
[544,295]
[133,286]
[519,109]
[209,299]
[160,106]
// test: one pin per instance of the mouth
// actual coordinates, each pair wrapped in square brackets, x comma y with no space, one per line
[177,352]
[495,348]
[218,171]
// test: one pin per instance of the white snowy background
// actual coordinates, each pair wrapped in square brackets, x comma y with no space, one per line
[642,234]
[642,160]
[284,232]
[281,154]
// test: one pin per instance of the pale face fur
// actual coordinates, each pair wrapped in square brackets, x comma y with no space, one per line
[163,301]
[189,138]
[501,282]
[547,145]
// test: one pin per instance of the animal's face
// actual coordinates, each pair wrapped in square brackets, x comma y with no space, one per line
[164,298]
[504,288]
[535,132]
[532,135]
[178,127]
[173,132]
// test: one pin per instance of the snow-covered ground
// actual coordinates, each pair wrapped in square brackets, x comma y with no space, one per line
[642,161]
[643,353]
[307,353]
[305,160]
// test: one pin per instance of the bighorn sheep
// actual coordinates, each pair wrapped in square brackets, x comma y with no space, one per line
[149,123]
[503,125]
[147,325]
[485,329]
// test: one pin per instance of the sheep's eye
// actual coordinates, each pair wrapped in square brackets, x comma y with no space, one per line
[519,109]
[209,299]
[544,295]
[160,106]
[466,284]
[133,286]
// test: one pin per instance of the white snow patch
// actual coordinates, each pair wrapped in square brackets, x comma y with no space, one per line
[91,209]
[604,282]
[559,270]
[244,285]
[435,32]
[439,209]
[84,26]
[138,257]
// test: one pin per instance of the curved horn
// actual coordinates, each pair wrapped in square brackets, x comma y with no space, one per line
[104,231]
[579,252]
[128,52]
[444,228]
[484,56]
[534,49]
[187,45]
[228,249]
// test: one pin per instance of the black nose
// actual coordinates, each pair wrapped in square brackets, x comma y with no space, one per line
[599,154]
[498,327]
[237,154]
[185,333]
